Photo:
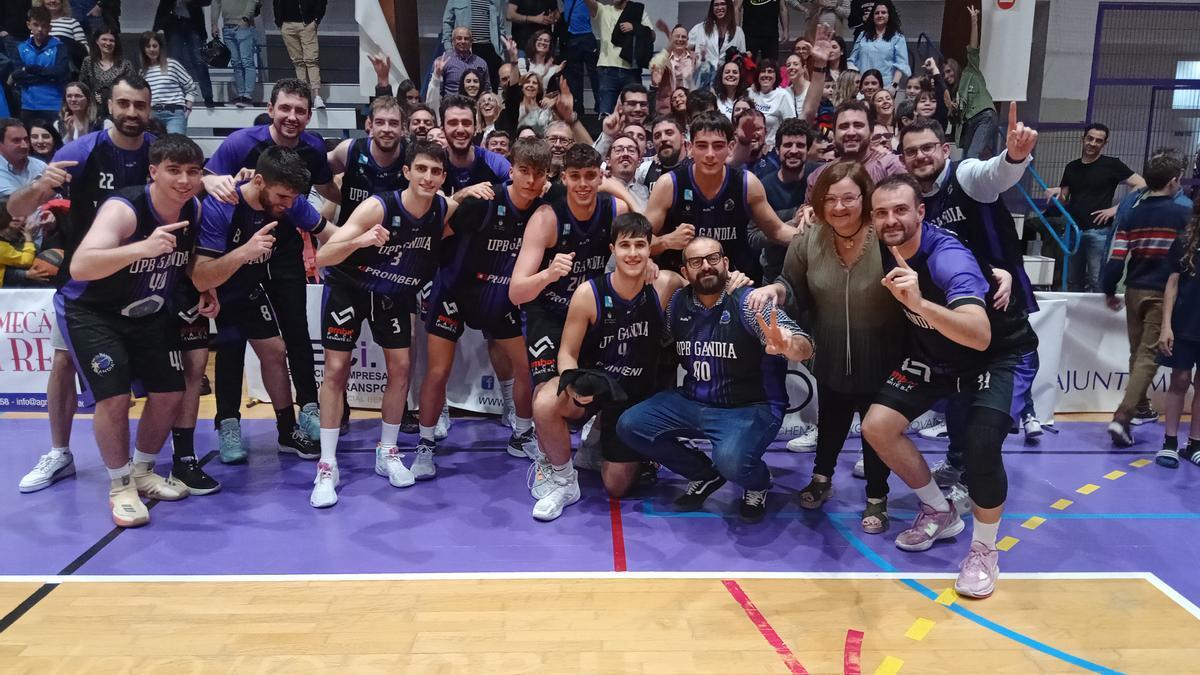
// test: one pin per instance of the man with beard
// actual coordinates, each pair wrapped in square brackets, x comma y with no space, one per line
[421,120]
[623,160]
[669,139]
[88,170]
[955,349]
[469,163]
[633,108]
[733,393]
[286,284]
[374,164]
[785,189]
[749,143]
[237,243]
[852,126]
[707,198]
[563,248]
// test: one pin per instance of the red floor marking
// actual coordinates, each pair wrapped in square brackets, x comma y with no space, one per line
[618,535]
[852,655]
[764,627]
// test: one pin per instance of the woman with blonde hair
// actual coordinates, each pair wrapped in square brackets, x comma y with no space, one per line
[487,110]
[78,113]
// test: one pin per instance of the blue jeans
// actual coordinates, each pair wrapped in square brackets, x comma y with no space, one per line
[581,52]
[739,437]
[240,40]
[175,121]
[1088,261]
[183,45]
[612,81]
[979,135]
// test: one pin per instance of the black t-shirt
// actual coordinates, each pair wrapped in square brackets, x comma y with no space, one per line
[1185,319]
[860,13]
[522,31]
[760,17]
[1092,187]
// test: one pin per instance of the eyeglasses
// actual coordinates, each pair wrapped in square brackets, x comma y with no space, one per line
[927,148]
[558,140]
[882,137]
[844,200]
[713,259]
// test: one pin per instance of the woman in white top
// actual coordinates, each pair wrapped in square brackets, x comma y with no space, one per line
[717,33]
[531,113]
[172,90]
[78,114]
[729,88]
[63,25]
[538,57]
[776,104]
[798,80]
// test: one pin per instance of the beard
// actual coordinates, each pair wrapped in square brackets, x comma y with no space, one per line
[712,281]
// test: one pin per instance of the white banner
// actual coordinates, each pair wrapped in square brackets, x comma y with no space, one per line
[26,318]
[375,37]
[1005,46]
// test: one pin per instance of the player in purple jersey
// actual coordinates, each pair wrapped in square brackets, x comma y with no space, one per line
[378,262]
[233,254]
[954,350]
[468,164]
[116,318]
[88,169]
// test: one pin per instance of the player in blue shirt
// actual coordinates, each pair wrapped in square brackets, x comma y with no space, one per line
[378,262]
[236,246]
[954,350]
[115,313]
[468,163]
[733,390]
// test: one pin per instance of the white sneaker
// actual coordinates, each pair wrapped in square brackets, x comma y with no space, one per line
[806,441]
[524,446]
[860,467]
[960,498]
[324,492]
[318,103]
[508,414]
[423,466]
[1033,428]
[537,479]
[442,430]
[127,508]
[51,468]
[390,463]
[936,432]
[154,486]
[564,491]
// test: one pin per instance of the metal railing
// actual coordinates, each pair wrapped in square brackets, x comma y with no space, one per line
[1068,243]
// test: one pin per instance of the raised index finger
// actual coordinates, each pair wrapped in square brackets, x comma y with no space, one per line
[174,226]
[65,164]
[900,261]
[1012,116]
[268,227]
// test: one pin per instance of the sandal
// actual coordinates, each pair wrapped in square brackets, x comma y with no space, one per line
[816,493]
[875,518]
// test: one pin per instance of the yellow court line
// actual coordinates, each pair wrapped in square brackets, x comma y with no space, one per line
[1088,489]
[1139,463]
[1033,522]
[1113,475]
[948,597]
[890,666]
[919,629]
[1061,504]
[1006,543]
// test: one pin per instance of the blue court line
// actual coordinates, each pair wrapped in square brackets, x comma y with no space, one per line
[648,509]
[878,560]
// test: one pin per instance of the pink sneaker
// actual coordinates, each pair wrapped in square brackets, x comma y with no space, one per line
[980,569]
[930,526]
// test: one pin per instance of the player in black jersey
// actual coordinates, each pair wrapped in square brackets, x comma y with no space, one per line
[733,389]
[87,170]
[374,164]
[615,325]
[472,290]
[955,349]
[115,312]
[377,264]
[707,198]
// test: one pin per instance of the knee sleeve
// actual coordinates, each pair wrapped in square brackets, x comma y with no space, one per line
[987,483]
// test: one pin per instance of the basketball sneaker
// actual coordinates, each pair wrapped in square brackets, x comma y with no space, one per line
[154,486]
[442,430]
[537,479]
[946,475]
[1121,434]
[754,505]
[1144,416]
[187,472]
[1033,428]
[523,445]
[51,468]
[299,443]
[564,491]
[390,464]
[806,441]
[423,466]
[930,526]
[409,423]
[127,509]
[324,492]
[978,571]
[229,441]
[310,421]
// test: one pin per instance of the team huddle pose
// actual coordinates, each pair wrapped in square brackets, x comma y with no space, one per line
[659,326]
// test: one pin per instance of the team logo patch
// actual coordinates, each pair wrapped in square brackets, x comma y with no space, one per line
[396,222]
[540,346]
[725,318]
[917,369]
[102,364]
[190,315]
[687,194]
[729,204]
[450,307]
[340,318]
[501,210]
[608,301]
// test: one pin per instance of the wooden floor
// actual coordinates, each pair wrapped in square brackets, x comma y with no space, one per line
[630,625]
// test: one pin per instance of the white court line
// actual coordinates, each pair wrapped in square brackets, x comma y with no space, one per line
[1187,605]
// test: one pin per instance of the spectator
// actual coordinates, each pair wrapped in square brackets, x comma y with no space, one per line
[78,114]
[1179,345]
[17,168]
[762,20]
[970,102]
[172,90]
[529,18]
[936,84]
[297,21]
[679,105]
[713,37]
[95,14]
[678,58]
[485,18]
[701,101]
[181,23]
[625,35]
[775,103]
[583,49]
[42,69]
[106,65]
[487,111]
[68,29]
[451,66]
[409,94]
[634,108]
[498,142]
[869,83]
[883,106]
[1087,188]
[539,57]
[233,20]
[421,118]
[17,247]
[860,14]
[846,87]
[44,141]
[926,104]
[798,81]
[786,188]
[531,112]
[881,46]
[852,125]
[837,59]
[624,157]
[729,87]
[833,13]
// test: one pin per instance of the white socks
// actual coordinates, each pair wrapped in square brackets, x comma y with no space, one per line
[387,437]
[427,433]
[985,533]
[140,457]
[118,474]
[329,441]
[522,425]
[61,451]
[566,470]
[932,495]
[506,387]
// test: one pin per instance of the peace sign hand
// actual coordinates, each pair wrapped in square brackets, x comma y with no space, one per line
[777,338]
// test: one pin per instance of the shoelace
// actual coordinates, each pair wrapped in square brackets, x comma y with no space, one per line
[697,486]
[532,473]
[974,562]
[754,497]
[925,519]
[44,463]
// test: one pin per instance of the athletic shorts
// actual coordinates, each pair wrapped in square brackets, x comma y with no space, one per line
[543,332]
[1185,355]
[612,448]
[448,318]
[913,387]
[251,318]
[112,352]
[191,330]
[344,308]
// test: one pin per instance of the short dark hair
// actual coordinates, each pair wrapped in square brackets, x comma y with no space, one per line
[531,152]
[906,108]
[283,166]
[133,81]
[630,225]
[1160,170]
[7,123]
[853,105]
[668,119]
[176,148]
[421,107]
[897,181]
[700,100]
[39,14]
[424,146]
[456,101]
[633,88]
[521,129]
[581,156]
[871,73]
[291,85]
[794,127]
[920,124]
[497,133]
[1097,127]
[712,122]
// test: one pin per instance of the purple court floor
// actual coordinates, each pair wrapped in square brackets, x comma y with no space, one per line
[475,517]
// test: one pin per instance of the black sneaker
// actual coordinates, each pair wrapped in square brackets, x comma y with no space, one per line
[205,386]
[409,423]
[187,470]
[1144,416]
[754,505]
[697,491]
[300,444]
[647,474]
[1121,434]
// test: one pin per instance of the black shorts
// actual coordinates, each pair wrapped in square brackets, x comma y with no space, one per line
[543,332]
[112,351]
[250,318]
[612,448]
[447,317]
[343,309]
[1185,355]
[913,388]
[191,330]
